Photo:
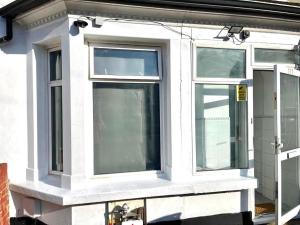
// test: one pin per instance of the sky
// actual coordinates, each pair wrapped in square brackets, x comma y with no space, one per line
[5,2]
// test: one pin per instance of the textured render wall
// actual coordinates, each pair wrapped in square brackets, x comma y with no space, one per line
[158,209]
[4,207]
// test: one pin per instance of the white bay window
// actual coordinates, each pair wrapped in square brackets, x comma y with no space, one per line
[126,109]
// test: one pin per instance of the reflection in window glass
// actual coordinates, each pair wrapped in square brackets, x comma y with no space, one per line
[125,62]
[56,128]
[275,56]
[220,62]
[221,128]
[55,65]
[126,127]
[290,184]
[289,111]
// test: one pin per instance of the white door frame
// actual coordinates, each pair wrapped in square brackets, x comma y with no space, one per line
[279,155]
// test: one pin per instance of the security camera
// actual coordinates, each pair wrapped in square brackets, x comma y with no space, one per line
[244,34]
[80,23]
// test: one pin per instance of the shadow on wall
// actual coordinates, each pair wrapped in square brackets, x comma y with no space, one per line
[165,219]
[243,218]
[25,221]
[74,30]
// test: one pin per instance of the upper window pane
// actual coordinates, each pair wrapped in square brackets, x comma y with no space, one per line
[221,63]
[275,56]
[55,65]
[124,62]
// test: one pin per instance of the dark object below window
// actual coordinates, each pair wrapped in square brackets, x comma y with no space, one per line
[25,221]
[243,218]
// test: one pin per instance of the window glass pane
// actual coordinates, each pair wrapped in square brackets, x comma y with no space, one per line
[290,184]
[289,103]
[219,62]
[274,56]
[56,128]
[125,62]
[126,127]
[55,65]
[221,128]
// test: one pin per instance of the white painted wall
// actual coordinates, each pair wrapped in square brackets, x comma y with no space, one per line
[13,108]
[56,215]
[13,104]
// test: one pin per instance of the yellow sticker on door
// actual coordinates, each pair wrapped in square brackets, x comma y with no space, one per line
[241,92]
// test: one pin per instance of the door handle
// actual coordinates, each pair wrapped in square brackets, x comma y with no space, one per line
[277,147]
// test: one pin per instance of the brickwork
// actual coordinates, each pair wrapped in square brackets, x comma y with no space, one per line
[4,217]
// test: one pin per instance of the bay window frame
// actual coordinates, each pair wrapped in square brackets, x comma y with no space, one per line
[125,79]
[247,80]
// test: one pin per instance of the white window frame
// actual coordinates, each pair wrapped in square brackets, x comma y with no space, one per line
[124,47]
[126,79]
[268,66]
[54,83]
[222,173]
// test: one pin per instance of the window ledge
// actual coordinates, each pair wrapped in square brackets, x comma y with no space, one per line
[127,190]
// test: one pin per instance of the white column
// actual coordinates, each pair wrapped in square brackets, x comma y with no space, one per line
[75,58]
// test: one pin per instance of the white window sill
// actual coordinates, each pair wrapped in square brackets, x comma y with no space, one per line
[128,190]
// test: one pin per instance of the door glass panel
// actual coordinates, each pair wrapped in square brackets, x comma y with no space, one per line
[290,184]
[289,96]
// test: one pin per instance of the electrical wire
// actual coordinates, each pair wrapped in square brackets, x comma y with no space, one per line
[157,23]
[234,39]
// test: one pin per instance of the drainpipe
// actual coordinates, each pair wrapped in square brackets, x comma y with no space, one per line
[9,31]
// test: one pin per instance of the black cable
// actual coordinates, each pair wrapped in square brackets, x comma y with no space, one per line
[154,22]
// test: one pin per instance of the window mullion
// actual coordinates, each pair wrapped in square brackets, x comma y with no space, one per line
[55,83]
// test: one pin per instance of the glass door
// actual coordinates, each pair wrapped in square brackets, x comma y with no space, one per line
[287,142]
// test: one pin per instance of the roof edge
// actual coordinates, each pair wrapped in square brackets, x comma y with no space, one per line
[269,8]
[20,6]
